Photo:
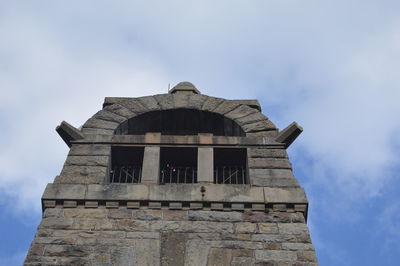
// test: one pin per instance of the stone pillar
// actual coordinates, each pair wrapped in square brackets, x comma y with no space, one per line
[151,159]
[205,160]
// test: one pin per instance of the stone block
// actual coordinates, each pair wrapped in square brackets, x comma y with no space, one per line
[56,223]
[70,204]
[197,251]
[87,160]
[96,133]
[217,206]
[226,107]
[245,228]
[284,195]
[165,101]
[269,163]
[240,111]
[217,216]
[275,255]
[86,213]
[151,165]
[251,118]
[273,182]
[91,204]
[53,212]
[143,235]
[219,256]
[173,248]
[293,228]
[175,215]
[120,110]
[119,214]
[134,105]
[193,226]
[98,123]
[196,205]
[117,192]
[266,153]
[148,215]
[109,116]
[90,149]
[49,203]
[112,204]
[237,206]
[205,163]
[212,103]
[233,244]
[82,174]
[307,256]
[154,205]
[65,191]
[133,204]
[175,205]
[149,102]
[297,246]
[268,228]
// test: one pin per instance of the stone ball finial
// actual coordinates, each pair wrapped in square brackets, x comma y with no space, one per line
[184,87]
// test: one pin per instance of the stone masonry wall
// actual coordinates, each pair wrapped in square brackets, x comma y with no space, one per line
[121,236]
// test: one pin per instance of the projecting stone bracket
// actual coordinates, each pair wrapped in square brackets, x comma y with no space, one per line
[69,133]
[289,134]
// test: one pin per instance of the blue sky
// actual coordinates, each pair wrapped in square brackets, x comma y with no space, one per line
[332,66]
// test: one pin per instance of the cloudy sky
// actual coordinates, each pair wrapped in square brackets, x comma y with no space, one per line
[332,66]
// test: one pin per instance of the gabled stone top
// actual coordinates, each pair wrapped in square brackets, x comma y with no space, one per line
[184,87]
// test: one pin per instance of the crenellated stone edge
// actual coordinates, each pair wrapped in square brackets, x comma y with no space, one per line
[140,196]
[165,205]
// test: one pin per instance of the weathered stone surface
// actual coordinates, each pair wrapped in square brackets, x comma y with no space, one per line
[196,252]
[251,118]
[82,174]
[278,195]
[245,228]
[273,182]
[266,153]
[109,116]
[173,248]
[97,131]
[270,163]
[240,111]
[212,103]
[215,216]
[65,191]
[165,101]
[90,150]
[297,246]
[120,110]
[219,256]
[226,107]
[308,256]
[268,228]
[293,229]
[275,255]
[99,123]
[149,102]
[262,125]
[87,160]
[134,105]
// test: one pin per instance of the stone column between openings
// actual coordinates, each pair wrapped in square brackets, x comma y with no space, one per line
[151,159]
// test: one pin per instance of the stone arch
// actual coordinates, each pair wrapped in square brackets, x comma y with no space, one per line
[107,120]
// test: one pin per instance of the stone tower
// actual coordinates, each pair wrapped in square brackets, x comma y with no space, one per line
[175,179]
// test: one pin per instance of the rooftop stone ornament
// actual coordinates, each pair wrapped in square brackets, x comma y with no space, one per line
[180,178]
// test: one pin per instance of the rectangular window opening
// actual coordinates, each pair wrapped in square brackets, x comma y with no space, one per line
[178,165]
[126,164]
[230,166]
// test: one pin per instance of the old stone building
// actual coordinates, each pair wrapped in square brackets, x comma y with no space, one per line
[175,179]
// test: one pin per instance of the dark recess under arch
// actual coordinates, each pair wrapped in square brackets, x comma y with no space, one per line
[180,122]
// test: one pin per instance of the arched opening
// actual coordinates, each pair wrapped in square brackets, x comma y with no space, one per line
[180,122]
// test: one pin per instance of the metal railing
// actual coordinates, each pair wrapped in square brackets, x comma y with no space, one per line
[230,175]
[178,174]
[126,174]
